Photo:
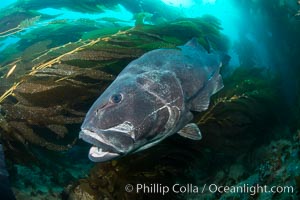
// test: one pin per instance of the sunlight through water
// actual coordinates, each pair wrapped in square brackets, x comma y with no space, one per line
[179,3]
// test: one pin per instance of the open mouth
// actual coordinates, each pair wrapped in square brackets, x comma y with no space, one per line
[108,143]
[102,149]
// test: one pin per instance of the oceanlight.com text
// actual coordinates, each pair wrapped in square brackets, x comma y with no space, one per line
[157,188]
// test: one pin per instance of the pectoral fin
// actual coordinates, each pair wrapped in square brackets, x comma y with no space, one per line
[191,131]
[213,85]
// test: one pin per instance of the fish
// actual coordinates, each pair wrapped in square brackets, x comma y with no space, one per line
[5,190]
[151,99]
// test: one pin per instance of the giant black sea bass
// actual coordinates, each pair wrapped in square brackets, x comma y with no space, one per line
[151,99]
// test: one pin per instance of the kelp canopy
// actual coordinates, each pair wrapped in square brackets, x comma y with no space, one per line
[49,81]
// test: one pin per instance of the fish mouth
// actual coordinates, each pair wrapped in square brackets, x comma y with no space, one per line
[103,149]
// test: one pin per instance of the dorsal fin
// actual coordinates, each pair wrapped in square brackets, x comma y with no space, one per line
[195,44]
[192,42]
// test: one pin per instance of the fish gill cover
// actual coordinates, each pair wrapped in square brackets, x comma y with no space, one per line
[57,57]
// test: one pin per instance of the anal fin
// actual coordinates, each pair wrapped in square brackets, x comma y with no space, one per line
[190,131]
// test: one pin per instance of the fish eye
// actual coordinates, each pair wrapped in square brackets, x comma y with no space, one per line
[116,98]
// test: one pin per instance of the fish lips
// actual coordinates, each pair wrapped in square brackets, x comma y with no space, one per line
[107,144]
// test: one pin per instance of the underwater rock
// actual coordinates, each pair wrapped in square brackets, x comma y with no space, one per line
[236,172]
[278,165]
[108,180]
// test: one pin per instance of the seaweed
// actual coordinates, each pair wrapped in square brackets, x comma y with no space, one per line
[54,84]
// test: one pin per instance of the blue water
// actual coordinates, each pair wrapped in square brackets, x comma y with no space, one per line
[121,14]
[6,3]
[230,16]
[8,41]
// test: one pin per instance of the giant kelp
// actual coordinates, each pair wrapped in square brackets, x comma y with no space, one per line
[279,25]
[20,21]
[49,85]
[46,97]
[156,7]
